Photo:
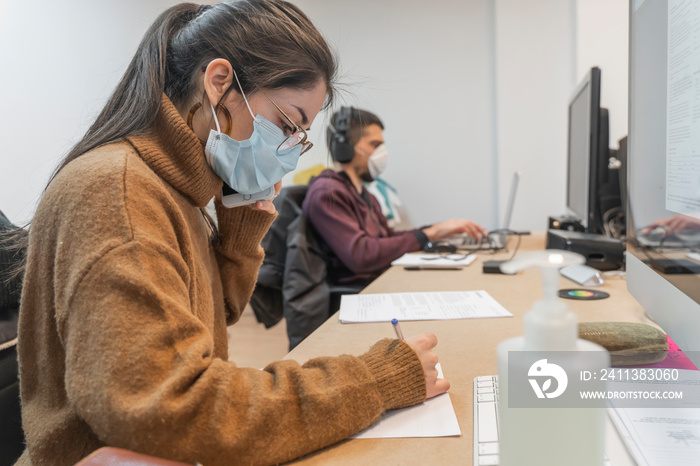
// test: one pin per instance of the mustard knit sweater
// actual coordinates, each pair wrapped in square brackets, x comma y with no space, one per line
[122,333]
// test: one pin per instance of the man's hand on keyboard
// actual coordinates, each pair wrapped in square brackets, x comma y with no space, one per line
[423,345]
[442,230]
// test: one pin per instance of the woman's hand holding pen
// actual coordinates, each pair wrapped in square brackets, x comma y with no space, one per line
[423,345]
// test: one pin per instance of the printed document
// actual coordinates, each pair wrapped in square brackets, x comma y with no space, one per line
[383,307]
[435,260]
[682,103]
[663,436]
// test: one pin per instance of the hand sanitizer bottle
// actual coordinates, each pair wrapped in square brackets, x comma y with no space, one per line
[539,435]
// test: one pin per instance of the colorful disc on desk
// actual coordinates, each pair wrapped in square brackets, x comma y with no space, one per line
[580,293]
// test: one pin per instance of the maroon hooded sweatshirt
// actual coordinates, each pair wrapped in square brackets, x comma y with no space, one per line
[355,233]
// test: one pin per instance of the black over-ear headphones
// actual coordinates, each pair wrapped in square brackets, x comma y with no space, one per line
[340,146]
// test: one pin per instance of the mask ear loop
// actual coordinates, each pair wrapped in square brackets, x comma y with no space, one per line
[373,152]
[227,114]
[216,120]
[243,94]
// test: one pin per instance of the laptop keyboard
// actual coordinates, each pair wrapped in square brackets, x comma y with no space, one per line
[465,242]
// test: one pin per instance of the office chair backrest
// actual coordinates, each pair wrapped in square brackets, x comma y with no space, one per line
[292,282]
[11,433]
[9,289]
[267,297]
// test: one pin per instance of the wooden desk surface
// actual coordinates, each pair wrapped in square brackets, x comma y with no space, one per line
[466,348]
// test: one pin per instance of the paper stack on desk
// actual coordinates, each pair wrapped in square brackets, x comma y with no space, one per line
[383,307]
[663,436]
[434,260]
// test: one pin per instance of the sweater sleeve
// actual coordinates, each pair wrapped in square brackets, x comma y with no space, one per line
[239,255]
[332,214]
[140,372]
[417,232]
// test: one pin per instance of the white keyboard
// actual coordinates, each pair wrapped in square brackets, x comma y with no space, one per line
[486,422]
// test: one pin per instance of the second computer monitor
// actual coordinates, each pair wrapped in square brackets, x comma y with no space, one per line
[587,153]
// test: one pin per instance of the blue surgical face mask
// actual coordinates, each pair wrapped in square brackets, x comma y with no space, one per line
[252,165]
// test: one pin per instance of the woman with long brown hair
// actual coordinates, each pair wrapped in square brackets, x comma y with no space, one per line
[129,286]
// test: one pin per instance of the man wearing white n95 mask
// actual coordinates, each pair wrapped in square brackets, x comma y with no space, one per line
[348,219]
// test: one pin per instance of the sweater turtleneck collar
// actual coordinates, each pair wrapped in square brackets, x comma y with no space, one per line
[174,153]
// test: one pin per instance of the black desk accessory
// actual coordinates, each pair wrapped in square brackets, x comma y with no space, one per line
[601,252]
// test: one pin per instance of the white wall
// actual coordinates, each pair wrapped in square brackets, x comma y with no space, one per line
[505,71]
[469,90]
[543,49]
[602,41]
[61,60]
[535,75]
[425,68]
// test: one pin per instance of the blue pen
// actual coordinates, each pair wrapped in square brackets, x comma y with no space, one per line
[395,323]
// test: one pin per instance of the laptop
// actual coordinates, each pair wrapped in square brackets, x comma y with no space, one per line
[497,238]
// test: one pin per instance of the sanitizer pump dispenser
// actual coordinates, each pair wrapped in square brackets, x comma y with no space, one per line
[568,436]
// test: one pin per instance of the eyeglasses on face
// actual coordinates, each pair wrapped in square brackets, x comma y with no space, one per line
[297,134]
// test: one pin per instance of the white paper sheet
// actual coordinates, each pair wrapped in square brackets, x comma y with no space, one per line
[433,418]
[682,126]
[663,436]
[382,307]
[434,260]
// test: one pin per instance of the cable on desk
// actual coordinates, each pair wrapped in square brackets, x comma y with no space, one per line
[517,246]
[508,232]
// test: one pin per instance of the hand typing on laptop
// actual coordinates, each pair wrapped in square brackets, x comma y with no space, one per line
[676,224]
[442,230]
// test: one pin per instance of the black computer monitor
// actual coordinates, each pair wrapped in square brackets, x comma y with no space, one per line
[587,153]
[663,178]
[622,173]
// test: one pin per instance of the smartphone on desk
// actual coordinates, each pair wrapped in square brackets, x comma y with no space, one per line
[232,198]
